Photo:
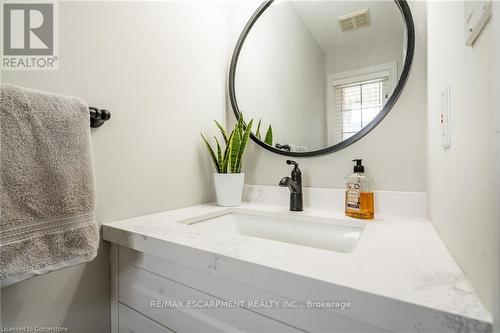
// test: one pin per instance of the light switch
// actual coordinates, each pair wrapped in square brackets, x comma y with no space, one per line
[444,117]
[477,13]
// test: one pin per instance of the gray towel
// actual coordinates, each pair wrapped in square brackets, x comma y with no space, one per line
[47,190]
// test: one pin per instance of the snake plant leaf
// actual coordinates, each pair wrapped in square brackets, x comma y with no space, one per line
[240,125]
[235,145]
[219,153]
[227,153]
[269,136]
[236,132]
[212,154]
[223,132]
[257,132]
[243,144]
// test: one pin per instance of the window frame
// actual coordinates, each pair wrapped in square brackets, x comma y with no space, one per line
[363,74]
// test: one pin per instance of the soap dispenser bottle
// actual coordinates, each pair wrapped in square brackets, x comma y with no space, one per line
[359,194]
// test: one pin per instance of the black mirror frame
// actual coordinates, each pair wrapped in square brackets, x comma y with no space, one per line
[410,28]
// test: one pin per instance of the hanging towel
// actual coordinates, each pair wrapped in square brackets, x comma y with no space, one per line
[292,148]
[298,149]
[47,189]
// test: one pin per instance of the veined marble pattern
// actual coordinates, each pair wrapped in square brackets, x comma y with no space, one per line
[400,277]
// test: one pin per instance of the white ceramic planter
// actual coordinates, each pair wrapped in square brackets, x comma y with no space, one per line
[229,188]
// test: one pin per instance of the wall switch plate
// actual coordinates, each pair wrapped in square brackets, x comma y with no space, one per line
[477,13]
[444,117]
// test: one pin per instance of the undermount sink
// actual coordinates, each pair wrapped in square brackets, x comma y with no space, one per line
[315,232]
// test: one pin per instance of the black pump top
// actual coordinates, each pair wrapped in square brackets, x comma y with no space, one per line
[359,166]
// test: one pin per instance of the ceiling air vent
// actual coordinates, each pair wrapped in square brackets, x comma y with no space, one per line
[354,20]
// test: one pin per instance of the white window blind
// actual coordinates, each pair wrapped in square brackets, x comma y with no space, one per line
[356,104]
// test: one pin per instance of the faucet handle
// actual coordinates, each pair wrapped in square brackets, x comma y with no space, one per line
[296,173]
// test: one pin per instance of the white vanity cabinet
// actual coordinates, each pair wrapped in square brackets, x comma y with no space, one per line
[132,321]
[389,280]
[151,294]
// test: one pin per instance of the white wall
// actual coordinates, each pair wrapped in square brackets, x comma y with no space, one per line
[394,152]
[159,67]
[281,79]
[461,186]
[350,57]
[496,99]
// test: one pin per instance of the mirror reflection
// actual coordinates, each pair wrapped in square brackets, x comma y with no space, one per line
[314,73]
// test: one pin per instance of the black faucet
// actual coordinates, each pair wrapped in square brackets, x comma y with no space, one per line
[294,184]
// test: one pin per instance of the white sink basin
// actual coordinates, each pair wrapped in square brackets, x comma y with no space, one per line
[316,232]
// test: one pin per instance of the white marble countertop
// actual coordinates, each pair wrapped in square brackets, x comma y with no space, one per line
[399,263]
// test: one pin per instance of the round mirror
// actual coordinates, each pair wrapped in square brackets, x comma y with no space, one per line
[316,76]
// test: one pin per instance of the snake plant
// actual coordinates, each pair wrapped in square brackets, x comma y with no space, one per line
[269,134]
[228,160]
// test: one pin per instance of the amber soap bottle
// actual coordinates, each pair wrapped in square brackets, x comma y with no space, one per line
[359,194]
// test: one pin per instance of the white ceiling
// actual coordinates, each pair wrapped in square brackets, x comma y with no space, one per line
[321,19]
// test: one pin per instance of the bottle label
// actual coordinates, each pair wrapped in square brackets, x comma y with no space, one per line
[352,196]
